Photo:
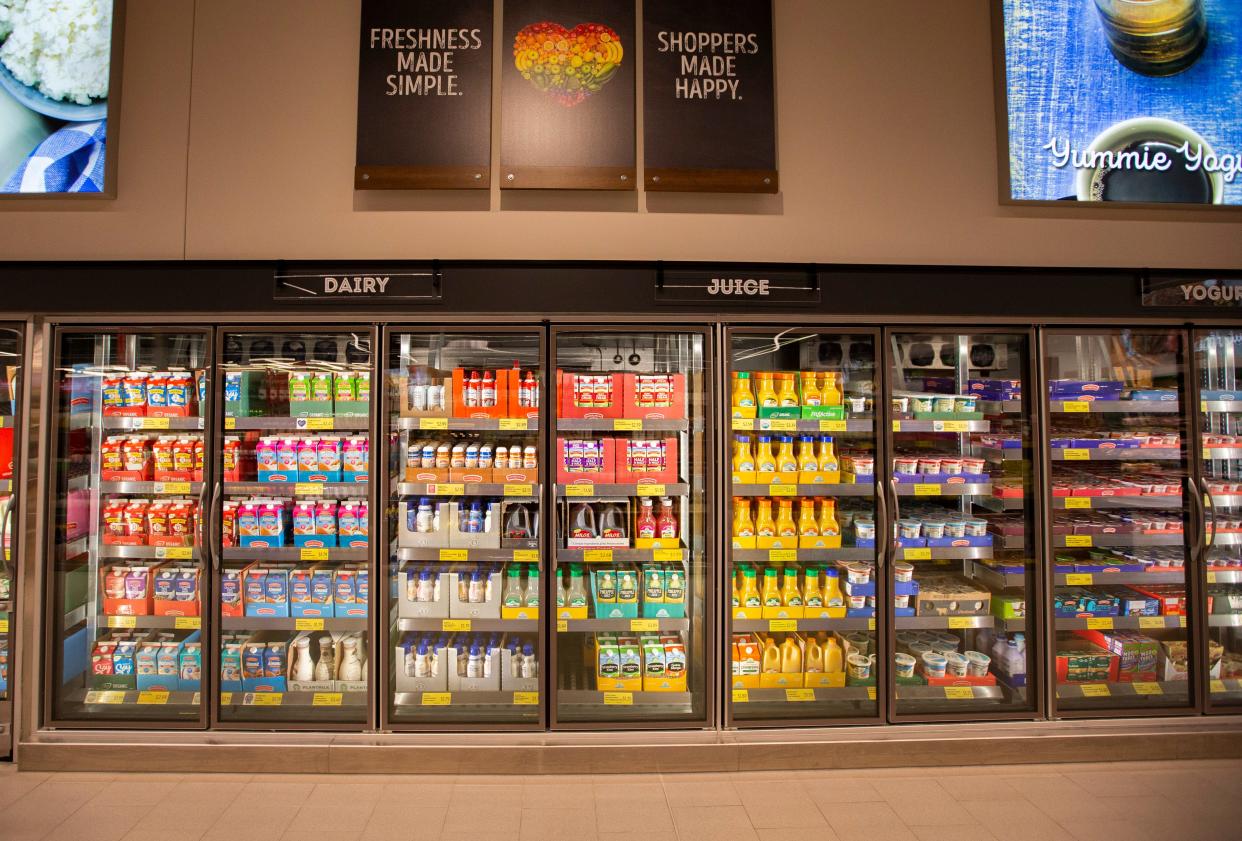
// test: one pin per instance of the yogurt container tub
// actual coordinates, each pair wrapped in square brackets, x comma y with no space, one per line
[903,571]
[921,402]
[864,466]
[955,528]
[943,649]
[864,529]
[859,642]
[910,529]
[934,664]
[904,638]
[966,403]
[904,664]
[859,666]
[933,528]
[973,465]
[901,405]
[901,601]
[929,466]
[956,664]
[976,527]
[858,602]
[871,602]
[858,405]
[978,663]
[906,466]
[944,404]
[918,649]
[951,466]
[857,573]
[949,640]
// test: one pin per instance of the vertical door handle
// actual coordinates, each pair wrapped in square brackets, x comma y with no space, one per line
[6,539]
[1211,533]
[881,528]
[894,534]
[1198,520]
[213,527]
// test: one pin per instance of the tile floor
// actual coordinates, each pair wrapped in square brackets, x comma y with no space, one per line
[1168,801]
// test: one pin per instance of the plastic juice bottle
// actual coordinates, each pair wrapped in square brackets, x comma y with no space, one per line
[812,596]
[830,393]
[646,526]
[764,525]
[771,657]
[791,657]
[810,391]
[771,588]
[834,660]
[743,396]
[667,527]
[785,525]
[765,462]
[742,525]
[743,458]
[750,589]
[788,395]
[767,392]
[791,594]
[814,656]
[808,526]
[737,593]
[833,597]
[828,525]
[807,460]
[576,595]
[786,461]
[513,594]
[828,455]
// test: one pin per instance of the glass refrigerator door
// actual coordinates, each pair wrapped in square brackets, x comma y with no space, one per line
[802,518]
[10,404]
[630,578]
[963,508]
[464,529]
[1121,565]
[1219,361]
[292,512]
[127,578]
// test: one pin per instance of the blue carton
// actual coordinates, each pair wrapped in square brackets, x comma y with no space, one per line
[263,684]
[319,476]
[255,541]
[867,589]
[314,541]
[905,588]
[287,476]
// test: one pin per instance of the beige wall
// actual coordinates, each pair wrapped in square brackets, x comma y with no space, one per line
[887,149]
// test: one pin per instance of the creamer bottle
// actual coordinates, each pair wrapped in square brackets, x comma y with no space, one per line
[771,589]
[785,526]
[828,455]
[810,391]
[750,589]
[303,666]
[743,458]
[786,461]
[764,525]
[742,525]
[788,395]
[767,393]
[791,595]
[828,525]
[807,460]
[812,596]
[743,396]
[765,462]
[351,668]
[808,526]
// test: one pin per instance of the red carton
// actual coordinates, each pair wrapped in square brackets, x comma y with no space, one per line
[646,461]
[463,381]
[655,396]
[590,396]
[127,590]
[592,463]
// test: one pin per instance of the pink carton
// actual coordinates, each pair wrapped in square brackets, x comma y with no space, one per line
[329,450]
[355,459]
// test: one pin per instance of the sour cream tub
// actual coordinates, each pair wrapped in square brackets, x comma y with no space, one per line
[922,402]
[864,529]
[966,403]
[929,466]
[904,665]
[944,405]
[901,405]
[976,527]
[978,663]
[951,466]
[906,466]
[956,664]
[934,664]
[858,405]
[955,528]
[901,601]
[857,573]
[933,528]
[918,649]
[858,602]
[910,529]
[859,666]
[973,465]
[864,466]
[903,571]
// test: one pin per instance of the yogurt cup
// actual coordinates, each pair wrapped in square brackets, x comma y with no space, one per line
[943,650]
[857,573]
[859,642]
[933,528]
[949,640]
[858,405]
[903,571]
[934,664]
[921,402]
[864,466]
[973,465]
[976,527]
[901,405]
[906,466]
[966,403]
[910,529]
[951,466]
[859,666]
[901,601]
[956,664]
[978,663]
[858,602]
[944,404]
[955,528]
[918,649]
[904,638]
[864,529]
[871,603]
[904,665]
[929,466]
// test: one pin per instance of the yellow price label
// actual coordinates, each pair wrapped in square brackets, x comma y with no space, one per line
[562,626]
[1217,687]
[526,699]
[618,699]
[172,487]
[1147,689]
[175,553]
[627,425]
[226,699]
[597,556]
[308,624]
[783,625]
[153,423]
[436,699]
[4,626]
[579,490]
[1078,541]
[832,426]
[781,556]
[959,622]
[230,423]
[916,554]
[666,555]
[951,426]
[519,490]
[318,424]
[896,426]
[1100,623]
[326,699]
[1151,621]
[152,697]
[870,693]
[1076,579]
[1072,502]
[455,625]
[526,555]
[1076,406]
[741,696]
[266,699]
[313,555]
[122,621]
[743,425]
[644,624]
[454,554]
[799,694]
[1075,454]
[513,425]
[926,490]
[783,490]
[433,423]
[1211,578]
[871,624]
[188,623]
[112,697]
[1095,690]
[1181,621]
[308,489]
[959,693]
[446,490]
[651,490]
[776,425]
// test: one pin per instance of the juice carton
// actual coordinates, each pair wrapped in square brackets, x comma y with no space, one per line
[608,673]
[228,523]
[162,455]
[231,593]
[299,386]
[255,590]
[111,462]
[304,523]
[343,387]
[266,458]
[674,668]
[322,590]
[746,662]
[179,401]
[345,594]
[191,667]
[181,522]
[232,459]
[114,528]
[328,468]
[325,522]
[354,459]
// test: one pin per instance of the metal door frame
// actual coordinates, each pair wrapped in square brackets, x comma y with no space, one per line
[10,706]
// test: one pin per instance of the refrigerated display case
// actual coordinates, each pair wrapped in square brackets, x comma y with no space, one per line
[126,549]
[1218,358]
[1122,535]
[464,528]
[291,509]
[802,627]
[631,574]
[11,368]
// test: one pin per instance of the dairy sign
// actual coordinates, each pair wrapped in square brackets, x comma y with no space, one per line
[368,285]
[736,287]
[1173,291]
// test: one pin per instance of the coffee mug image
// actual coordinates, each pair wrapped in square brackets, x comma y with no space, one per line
[1142,161]
[1155,37]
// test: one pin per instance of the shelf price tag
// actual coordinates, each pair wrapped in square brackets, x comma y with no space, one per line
[4,626]
[562,626]
[741,696]
[1100,623]
[959,622]
[230,423]
[1096,690]
[651,490]
[597,556]
[743,425]
[959,693]
[782,556]
[1217,687]
[526,555]
[927,490]
[779,425]
[181,488]
[308,624]
[175,553]
[436,699]
[627,425]
[308,489]
[666,555]
[264,699]
[122,622]
[896,426]
[1151,621]
[152,423]
[1076,406]
[1181,621]
[226,699]
[519,490]
[799,694]
[950,426]
[871,624]
[526,699]
[916,554]
[313,555]
[1078,541]
[782,624]
[457,489]
[1147,689]
[112,697]
[1075,454]
[326,699]
[513,425]
[433,423]
[188,623]
[579,490]
[870,693]
[320,424]
[644,624]
[152,697]
[455,625]
[833,426]
[1076,579]
[618,699]
[1072,502]
[783,490]
[454,554]
[1211,578]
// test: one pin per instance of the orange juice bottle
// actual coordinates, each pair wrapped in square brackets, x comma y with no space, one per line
[810,391]
[786,461]
[785,526]
[767,393]
[771,589]
[764,525]
[791,595]
[771,656]
[830,393]
[743,396]
[828,525]
[807,460]
[833,597]
[742,525]
[791,656]
[833,659]
[765,462]
[808,526]
[828,455]
[788,395]
[814,656]
[812,595]
[743,458]
[750,589]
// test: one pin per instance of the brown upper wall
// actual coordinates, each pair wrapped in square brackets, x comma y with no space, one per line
[887,153]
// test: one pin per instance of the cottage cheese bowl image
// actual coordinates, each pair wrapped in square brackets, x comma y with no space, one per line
[55,56]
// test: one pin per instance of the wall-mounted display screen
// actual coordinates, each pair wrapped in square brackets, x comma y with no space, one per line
[56,59]
[1132,101]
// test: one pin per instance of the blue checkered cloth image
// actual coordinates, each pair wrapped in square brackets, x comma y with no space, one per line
[70,161]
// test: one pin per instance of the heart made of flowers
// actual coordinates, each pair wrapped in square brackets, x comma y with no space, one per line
[568,65]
